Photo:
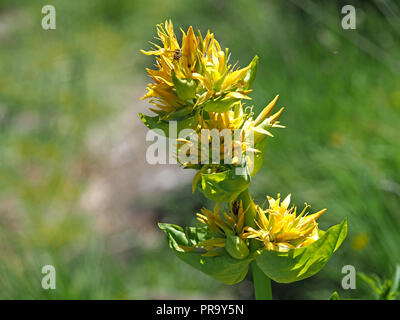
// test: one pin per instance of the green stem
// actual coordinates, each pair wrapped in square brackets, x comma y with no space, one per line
[262,284]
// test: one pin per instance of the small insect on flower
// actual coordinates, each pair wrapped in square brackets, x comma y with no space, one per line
[177,54]
[281,230]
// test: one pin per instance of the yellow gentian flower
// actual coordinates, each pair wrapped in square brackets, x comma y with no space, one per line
[280,229]
[193,74]
[242,127]
[226,229]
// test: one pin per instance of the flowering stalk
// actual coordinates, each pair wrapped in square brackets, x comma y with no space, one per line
[261,282]
[195,85]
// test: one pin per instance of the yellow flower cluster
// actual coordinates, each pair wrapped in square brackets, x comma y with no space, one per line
[227,230]
[280,229]
[238,133]
[193,79]
[196,73]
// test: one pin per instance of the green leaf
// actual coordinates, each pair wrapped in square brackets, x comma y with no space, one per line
[334,296]
[251,74]
[299,264]
[373,282]
[221,104]
[223,186]
[394,289]
[223,268]
[185,88]
[236,247]
[156,123]
[180,113]
[259,157]
[383,289]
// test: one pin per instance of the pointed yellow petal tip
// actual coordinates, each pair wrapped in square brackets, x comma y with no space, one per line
[286,202]
[190,30]
[267,110]
[276,115]
[262,131]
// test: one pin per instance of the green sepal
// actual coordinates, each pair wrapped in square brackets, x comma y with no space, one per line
[299,264]
[236,247]
[190,122]
[185,88]
[251,73]
[220,104]
[223,267]
[259,157]
[260,142]
[224,186]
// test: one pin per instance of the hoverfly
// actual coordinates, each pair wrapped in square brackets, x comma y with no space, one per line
[177,54]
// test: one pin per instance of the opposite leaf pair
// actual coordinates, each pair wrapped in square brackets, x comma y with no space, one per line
[283,267]
[289,248]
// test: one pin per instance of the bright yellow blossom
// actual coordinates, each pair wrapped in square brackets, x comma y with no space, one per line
[280,229]
[195,73]
[243,133]
[226,230]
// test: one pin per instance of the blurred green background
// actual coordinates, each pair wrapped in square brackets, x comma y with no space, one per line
[77,193]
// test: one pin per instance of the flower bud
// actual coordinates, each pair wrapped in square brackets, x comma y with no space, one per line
[224,186]
[236,247]
[251,73]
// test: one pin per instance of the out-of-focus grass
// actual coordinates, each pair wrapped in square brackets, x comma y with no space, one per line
[340,149]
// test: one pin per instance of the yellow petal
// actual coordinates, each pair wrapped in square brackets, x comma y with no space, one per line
[263,115]
[286,202]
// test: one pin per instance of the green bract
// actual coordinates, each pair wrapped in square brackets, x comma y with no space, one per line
[185,88]
[259,157]
[223,268]
[180,113]
[224,186]
[298,264]
[221,104]
[189,122]
[251,74]
[236,247]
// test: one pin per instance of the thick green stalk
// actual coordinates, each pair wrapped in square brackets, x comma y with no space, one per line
[262,284]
